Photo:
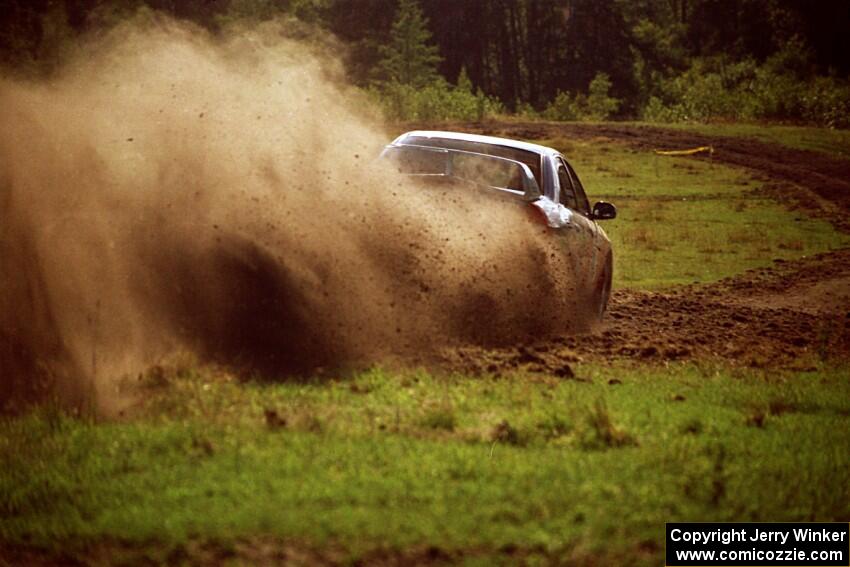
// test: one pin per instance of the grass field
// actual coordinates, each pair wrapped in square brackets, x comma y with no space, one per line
[586,469]
[485,470]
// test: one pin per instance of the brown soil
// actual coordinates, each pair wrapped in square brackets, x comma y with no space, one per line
[792,314]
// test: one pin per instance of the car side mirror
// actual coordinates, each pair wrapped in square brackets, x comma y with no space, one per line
[604,211]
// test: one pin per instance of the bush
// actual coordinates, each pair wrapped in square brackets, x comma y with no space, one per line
[563,107]
[656,111]
[695,95]
[596,105]
[776,90]
[436,101]
[526,111]
[826,102]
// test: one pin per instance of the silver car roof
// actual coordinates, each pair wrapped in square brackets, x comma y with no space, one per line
[536,148]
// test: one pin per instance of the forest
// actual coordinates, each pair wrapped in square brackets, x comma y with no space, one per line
[656,60]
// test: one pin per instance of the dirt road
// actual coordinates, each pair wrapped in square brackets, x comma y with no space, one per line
[792,314]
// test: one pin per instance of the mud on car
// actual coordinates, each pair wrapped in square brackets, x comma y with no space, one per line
[534,176]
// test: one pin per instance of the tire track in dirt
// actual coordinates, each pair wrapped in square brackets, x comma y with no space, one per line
[790,315]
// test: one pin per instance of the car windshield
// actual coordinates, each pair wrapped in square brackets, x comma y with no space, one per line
[531,159]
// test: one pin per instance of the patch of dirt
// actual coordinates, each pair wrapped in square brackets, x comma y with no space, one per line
[790,315]
[550,358]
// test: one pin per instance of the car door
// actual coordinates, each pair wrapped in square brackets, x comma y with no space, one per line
[585,211]
[571,195]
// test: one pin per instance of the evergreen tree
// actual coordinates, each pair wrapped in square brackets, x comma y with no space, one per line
[409,59]
[464,84]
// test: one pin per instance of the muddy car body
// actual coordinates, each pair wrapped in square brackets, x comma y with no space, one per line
[534,176]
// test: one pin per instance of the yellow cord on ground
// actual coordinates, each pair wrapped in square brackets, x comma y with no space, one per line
[709,149]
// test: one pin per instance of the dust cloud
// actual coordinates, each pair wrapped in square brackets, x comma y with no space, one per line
[172,190]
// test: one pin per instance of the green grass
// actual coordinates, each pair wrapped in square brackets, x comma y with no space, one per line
[683,220]
[570,469]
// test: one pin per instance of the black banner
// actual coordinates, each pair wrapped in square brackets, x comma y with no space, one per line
[692,544]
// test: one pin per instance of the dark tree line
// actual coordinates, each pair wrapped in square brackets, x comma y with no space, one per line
[520,51]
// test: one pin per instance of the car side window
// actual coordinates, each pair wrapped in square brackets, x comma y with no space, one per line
[581,196]
[567,196]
